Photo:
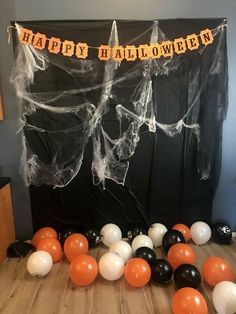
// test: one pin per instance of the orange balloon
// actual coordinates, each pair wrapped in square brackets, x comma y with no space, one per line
[189,300]
[216,269]
[83,270]
[75,244]
[52,246]
[137,272]
[179,254]
[43,233]
[184,230]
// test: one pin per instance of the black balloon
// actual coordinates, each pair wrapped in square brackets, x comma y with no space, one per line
[146,253]
[170,238]
[161,271]
[63,235]
[135,231]
[221,233]
[187,275]
[93,236]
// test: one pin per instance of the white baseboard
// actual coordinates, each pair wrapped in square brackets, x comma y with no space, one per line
[234,234]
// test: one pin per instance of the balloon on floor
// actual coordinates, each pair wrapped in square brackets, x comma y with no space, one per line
[146,253]
[83,270]
[200,232]
[140,241]
[39,263]
[221,233]
[156,232]
[216,269]
[179,254]
[187,275]
[135,231]
[184,230]
[110,233]
[161,271]
[75,244]
[224,297]
[111,266]
[46,232]
[170,238]
[189,300]
[123,249]
[137,272]
[52,246]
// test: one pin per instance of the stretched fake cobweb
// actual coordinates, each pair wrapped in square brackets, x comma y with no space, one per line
[78,112]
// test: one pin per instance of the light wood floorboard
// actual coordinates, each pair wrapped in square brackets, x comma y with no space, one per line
[22,294]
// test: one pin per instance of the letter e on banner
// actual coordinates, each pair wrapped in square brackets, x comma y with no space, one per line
[192,42]
[26,36]
[54,45]
[39,41]
[180,45]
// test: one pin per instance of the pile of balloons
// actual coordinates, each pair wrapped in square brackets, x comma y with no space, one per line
[136,260]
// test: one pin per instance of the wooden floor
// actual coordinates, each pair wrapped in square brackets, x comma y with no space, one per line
[22,294]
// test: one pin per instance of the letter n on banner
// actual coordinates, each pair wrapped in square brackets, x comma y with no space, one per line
[206,37]
[39,41]
[81,50]
[68,48]
[104,52]
[26,36]
[54,45]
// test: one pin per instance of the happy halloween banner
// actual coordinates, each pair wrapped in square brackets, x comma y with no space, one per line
[118,53]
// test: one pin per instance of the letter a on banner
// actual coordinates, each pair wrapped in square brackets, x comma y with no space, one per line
[118,53]
[39,41]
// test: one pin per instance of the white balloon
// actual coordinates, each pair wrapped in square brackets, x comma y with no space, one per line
[156,232]
[39,263]
[111,266]
[123,249]
[141,240]
[200,232]
[110,234]
[224,297]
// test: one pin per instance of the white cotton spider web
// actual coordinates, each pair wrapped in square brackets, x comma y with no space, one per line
[77,114]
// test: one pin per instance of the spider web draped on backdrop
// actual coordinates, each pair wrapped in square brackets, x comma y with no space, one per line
[69,104]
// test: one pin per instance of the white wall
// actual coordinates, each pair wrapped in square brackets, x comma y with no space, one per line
[225,199]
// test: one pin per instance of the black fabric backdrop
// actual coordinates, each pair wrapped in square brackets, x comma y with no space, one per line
[163,182]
